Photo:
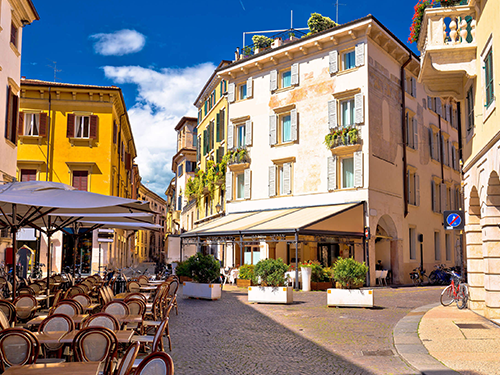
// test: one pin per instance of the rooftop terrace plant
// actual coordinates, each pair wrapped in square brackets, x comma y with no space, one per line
[318,23]
[417,19]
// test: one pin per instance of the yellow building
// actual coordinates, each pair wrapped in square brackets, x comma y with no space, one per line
[79,135]
[211,143]
[460,60]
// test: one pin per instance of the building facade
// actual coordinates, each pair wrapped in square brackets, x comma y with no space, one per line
[79,135]
[390,171]
[14,15]
[462,63]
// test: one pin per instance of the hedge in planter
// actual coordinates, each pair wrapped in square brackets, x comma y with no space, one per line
[245,275]
[205,271]
[271,273]
[349,273]
[182,270]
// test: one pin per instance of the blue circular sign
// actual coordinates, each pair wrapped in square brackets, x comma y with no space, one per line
[453,220]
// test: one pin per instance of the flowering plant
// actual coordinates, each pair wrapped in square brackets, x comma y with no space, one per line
[307,264]
[417,19]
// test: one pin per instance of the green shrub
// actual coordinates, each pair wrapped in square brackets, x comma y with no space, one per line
[182,269]
[349,273]
[261,41]
[246,272]
[203,268]
[317,23]
[271,272]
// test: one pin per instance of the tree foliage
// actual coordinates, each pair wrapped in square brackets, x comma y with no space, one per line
[203,268]
[349,273]
[271,272]
[317,23]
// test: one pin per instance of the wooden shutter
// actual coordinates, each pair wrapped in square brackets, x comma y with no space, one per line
[230,137]
[433,193]
[332,114]
[7,125]
[287,178]
[229,186]
[452,199]
[248,133]
[70,126]
[332,173]
[249,87]
[333,61]
[360,54]
[15,118]
[272,129]
[441,150]
[429,103]
[28,175]
[295,74]
[358,169]
[424,103]
[20,125]
[439,107]
[248,183]
[417,190]
[358,109]
[294,124]
[415,132]
[80,180]
[198,149]
[273,83]
[272,181]
[115,132]
[413,87]
[230,93]
[217,127]
[94,126]
[431,146]
[128,162]
[443,197]
[43,125]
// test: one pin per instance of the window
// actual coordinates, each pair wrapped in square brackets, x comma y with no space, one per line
[412,243]
[348,60]
[434,145]
[179,203]
[280,179]
[286,78]
[240,186]
[437,246]
[242,91]
[488,77]
[347,168]
[436,196]
[12,116]
[31,124]
[82,126]
[469,111]
[447,239]
[220,125]
[180,170]
[411,85]
[285,128]
[13,34]
[413,187]
[80,180]
[28,175]
[240,135]
[347,112]
[411,131]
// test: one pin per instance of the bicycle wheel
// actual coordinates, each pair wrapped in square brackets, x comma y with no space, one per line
[447,296]
[462,296]
[433,278]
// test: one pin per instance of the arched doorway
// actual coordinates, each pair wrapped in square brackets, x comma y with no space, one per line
[386,238]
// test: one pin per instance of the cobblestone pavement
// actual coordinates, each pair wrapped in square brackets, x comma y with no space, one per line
[231,336]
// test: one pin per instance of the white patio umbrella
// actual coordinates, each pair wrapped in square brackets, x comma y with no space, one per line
[52,206]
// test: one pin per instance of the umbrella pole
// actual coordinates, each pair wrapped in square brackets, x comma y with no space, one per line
[14,251]
[49,243]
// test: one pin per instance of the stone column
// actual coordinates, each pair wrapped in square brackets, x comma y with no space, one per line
[491,254]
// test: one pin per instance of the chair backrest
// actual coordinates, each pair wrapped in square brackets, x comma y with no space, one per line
[24,305]
[83,300]
[109,293]
[172,289]
[128,359]
[158,338]
[133,286]
[26,290]
[384,274]
[74,291]
[136,306]
[143,280]
[95,344]
[9,310]
[18,346]
[58,278]
[36,287]
[116,308]
[140,296]
[57,297]
[102,320]
[158,363]
[4,321]
[56,323]
[68,307]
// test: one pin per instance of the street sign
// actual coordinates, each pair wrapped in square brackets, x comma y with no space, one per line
[454,220]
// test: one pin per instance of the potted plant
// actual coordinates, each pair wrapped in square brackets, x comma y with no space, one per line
[272,289]
[321,278]
[182,270]
[205,271]
[350,276]
[245,276]
[306,272]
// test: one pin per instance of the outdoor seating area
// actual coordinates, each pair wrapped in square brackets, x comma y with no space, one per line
[79,327]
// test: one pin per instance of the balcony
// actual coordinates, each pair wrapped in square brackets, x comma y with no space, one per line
[447,42]
[238,160]
[343,139]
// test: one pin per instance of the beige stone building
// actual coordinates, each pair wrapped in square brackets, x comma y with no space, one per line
[461,63]
[385,169]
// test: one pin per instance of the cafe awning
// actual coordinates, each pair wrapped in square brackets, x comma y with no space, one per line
[341,219]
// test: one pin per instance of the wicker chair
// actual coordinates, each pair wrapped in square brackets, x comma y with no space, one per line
[56,323]
[68,307]
[4,322]
[128,359]
[157,339]
[156,364]
[143,280]
[96,344]
[172,294]
[116,308]
[102,320]
[18,346]
[140,296]
[26,306]
[133,287]
[84,300]
[26,290]
[9,310]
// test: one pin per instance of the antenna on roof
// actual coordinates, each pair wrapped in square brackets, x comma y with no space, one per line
[337,10]
[55,69]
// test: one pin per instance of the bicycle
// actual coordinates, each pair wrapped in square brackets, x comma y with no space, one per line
[417,276]
[440,275]
[457,292]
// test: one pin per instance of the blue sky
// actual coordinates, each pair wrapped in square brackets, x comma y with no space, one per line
[162,54]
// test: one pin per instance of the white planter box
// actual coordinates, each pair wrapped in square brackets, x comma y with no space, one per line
[270,294]
[204,291]
[350,297]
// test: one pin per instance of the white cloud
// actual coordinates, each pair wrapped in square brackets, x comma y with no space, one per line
[164,96]
[119,43]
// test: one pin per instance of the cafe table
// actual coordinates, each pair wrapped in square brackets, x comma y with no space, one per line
[53,337]
[77,319]
[147,288]
[129,319]
[123,336]
[73,368]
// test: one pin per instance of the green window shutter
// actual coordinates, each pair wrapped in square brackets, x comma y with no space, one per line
[217,127]
[205,142]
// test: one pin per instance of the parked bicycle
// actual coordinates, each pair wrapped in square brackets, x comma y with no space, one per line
[37,271]
[441,275]
[418,276]
[457,291]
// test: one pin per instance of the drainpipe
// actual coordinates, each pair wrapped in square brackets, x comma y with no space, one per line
[441,151]
[403,128]
[460,164]
[48,141]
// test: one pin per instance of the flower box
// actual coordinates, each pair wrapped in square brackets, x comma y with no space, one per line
[321,285]
[350,297]
[241,283]
[185,278]
[203,291]
[270,294]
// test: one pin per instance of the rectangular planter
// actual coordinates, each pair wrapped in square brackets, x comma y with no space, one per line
[185,278]
[243,283]
[270,294]
[321,285]
[204,291]
[350,297]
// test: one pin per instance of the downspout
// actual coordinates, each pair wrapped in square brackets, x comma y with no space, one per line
[366,249]
[48,139]
[403,128]
[460,164]
[441,151]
